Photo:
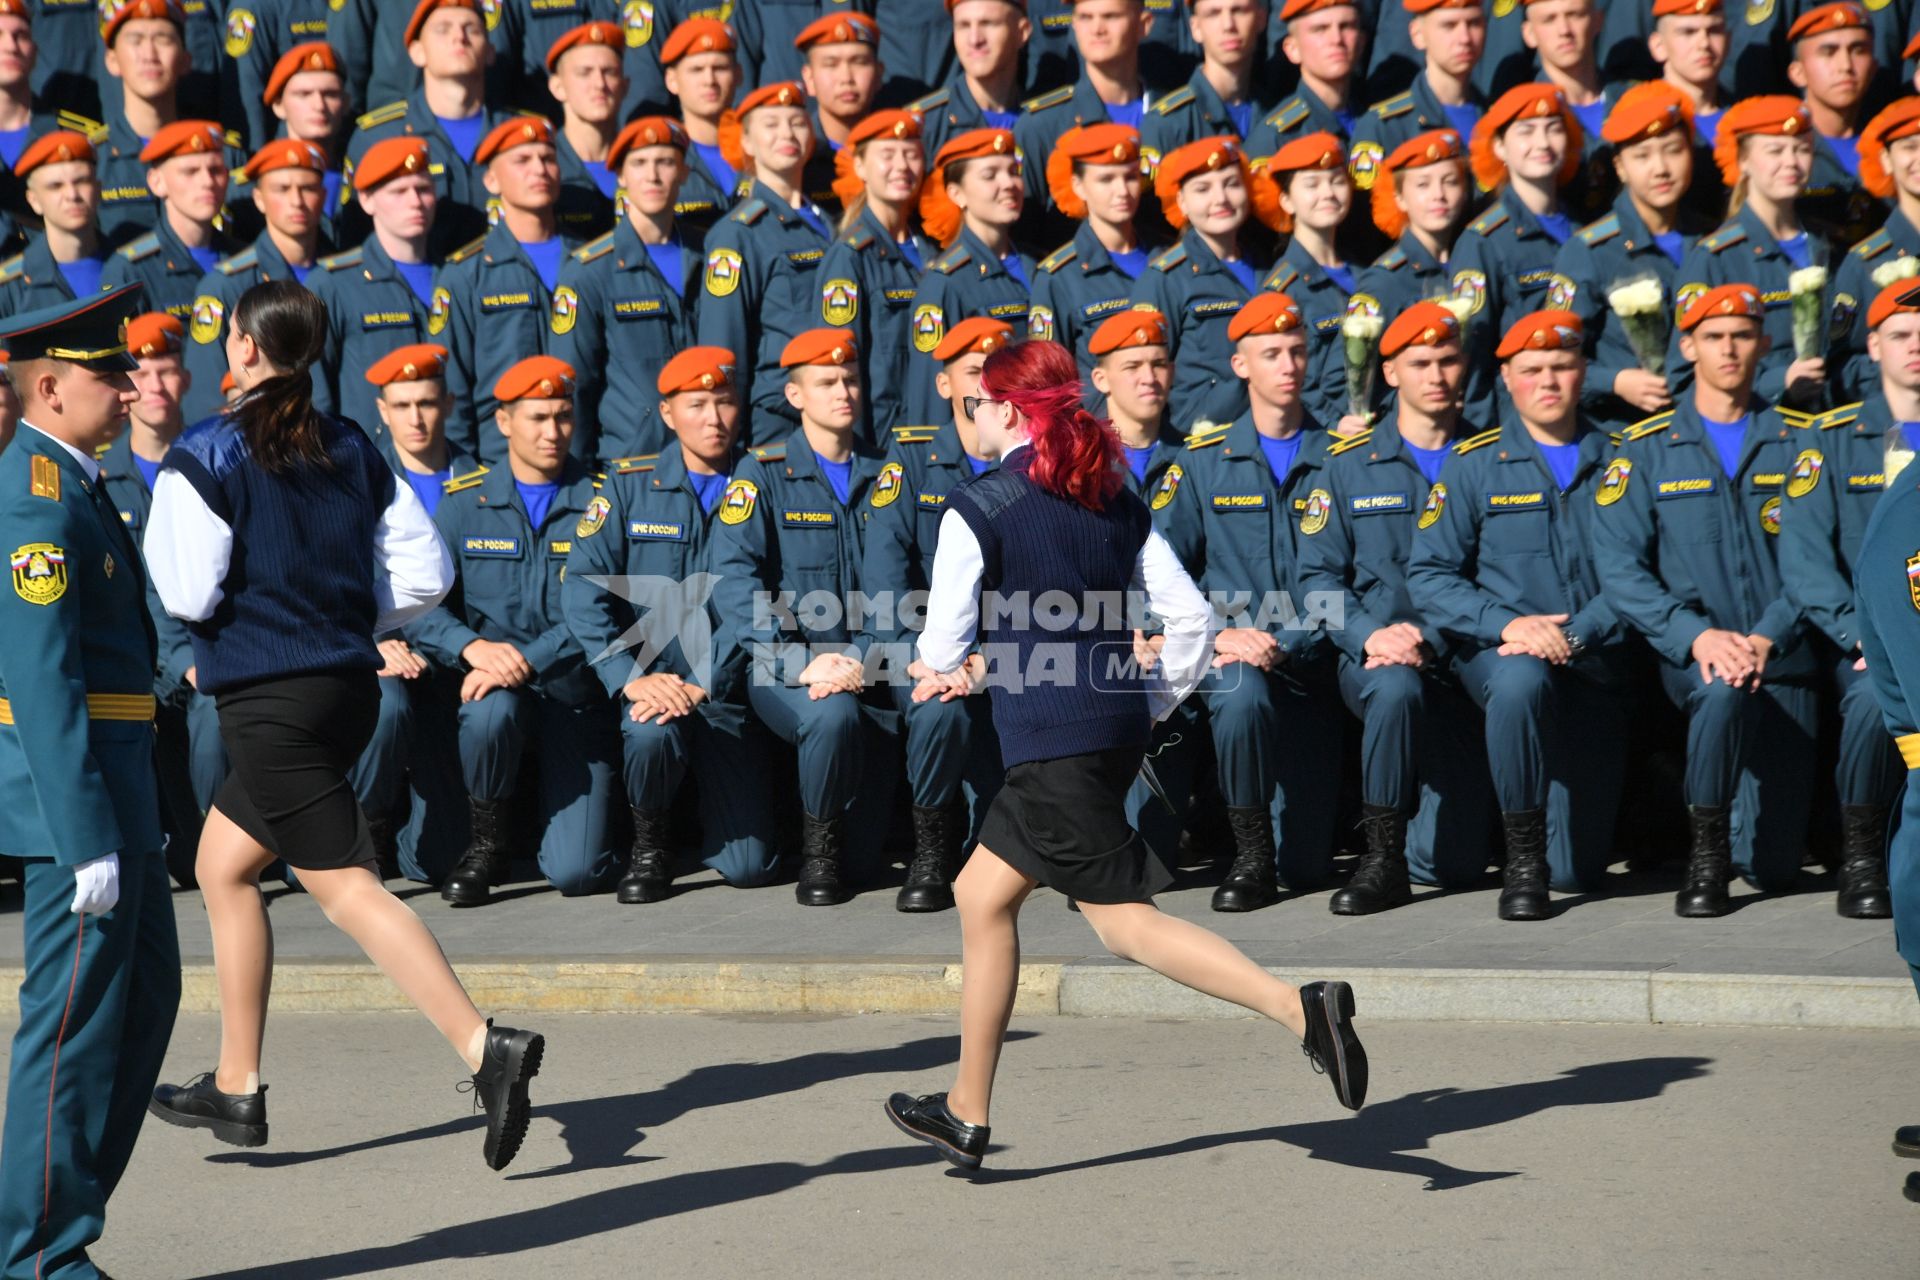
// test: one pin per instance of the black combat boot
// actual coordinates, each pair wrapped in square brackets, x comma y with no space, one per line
[1380,881]
[1523,893]
[386,846]
[1709,863]
[650,863]
[1252,882]
[1863,863]
[821,841]
[937,833]
[486,861]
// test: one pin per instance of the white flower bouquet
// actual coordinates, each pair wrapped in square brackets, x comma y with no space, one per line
[1641,308]
[1360,342]
[1807,292]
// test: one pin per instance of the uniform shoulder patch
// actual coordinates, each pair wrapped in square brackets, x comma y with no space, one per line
[749,212]
[1283,279]
[458,484]
[383,115]
[914,435]
[142,248]
[598,247]
[1490,221]
[1725,238]
[95,131]
[859,238]
[44,481]
[1845,416]
[1044,101]
[341,261]
[13,268]
[637,462]
[1647,427]
[1480,441]
[466,251]
[1349,444]
[1602,231]
[1874,245]
[1198,440]
[1291,113]
[245,260]
[1392,260]
[1171,258]
[933,101]
[1174,101]
[1398,105]
[1058,258]
[770,452]
[952,260]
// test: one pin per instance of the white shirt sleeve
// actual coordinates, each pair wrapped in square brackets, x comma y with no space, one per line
[412,571]
[1187,619]
[188,549]
[953,595]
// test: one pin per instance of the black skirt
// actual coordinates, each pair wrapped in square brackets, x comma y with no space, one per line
[1064,823]
[290,745]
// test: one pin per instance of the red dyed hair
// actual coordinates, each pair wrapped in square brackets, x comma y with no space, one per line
[1075,455]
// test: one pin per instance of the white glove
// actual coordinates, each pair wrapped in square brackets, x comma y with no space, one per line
[96,886]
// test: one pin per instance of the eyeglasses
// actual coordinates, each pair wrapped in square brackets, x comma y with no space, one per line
[971,405]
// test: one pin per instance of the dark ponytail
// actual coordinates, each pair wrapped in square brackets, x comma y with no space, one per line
[277,417]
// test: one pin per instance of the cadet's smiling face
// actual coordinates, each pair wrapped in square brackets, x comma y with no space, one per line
[826,395]
[402,206]
[651,178]
[705,83]
[1112,191]
[291,200]
[1215,202]
[1533,148]
[778,139]
[66,194]
[1317,198]
[196,185]
[892,168]
[1274,365]
[1656,170]
[525,177]
[415,413]
[704,422]
[989,190]
[312,104]
[1775,166]
[1433,195]
[589,83]
[1895,346]
[538,433]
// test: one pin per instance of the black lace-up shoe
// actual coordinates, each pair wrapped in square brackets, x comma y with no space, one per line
[510,1059]
[239,1119]
[929,1120]
[1331,1043]
[1906,1141]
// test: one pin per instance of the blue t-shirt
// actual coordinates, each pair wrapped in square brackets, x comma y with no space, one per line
[546,256]
[1243,273]
[465,134]
[149,471]
[1562,460]
[1342,276]
[83,277]
[1281,454]
[1137,459]
[429,485]
[1591,116]
[718,166]
[12,143]
[299,273]
[333,189]
[1557,225]
[979,465]
[1728,437]
[668,261]
[1910,432]
[810,215]
[419,278]
[911,252]
[1000,119]
[205,258]
[1241,113]
[838,474]
[1708,125]
[1795,247]
[1848,150]
[1016,268]
[1463,119]
[538,499]
[707,488]
[1131,261]
[1671,243]
[1347,120]
[604,178]
[1428,460]
[1128,113]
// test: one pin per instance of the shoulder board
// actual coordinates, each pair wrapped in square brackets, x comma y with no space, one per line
[1648,427]
[1398,105]
[1291,113]
[859,238]
[1281,281]
[455,484]
[1492,220]
[938,98]
[44,478]
[1619,438]
[466,251]
[102,450]
[1349,444]
[1392,260]
[13,268]
[382,115]
[1874,245]
[1174,101]
[1199,440]
[339,261]
[144,247]
[1845,415]
[952,260]
[915,435]
[770,452]
[598,247]
[1725,238]
[1794,417]
[1602,231]
[1059,258]
[749,212]
[638,462]
[96,132]
[1063,94]
[245,260]
[1171,258]
[1480,441]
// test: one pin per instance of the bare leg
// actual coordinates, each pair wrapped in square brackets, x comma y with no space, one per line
[399,942]
[1194,957]
[988,894]
[228,864]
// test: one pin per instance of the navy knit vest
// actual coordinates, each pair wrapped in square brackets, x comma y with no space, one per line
[298,597]
[1085,698]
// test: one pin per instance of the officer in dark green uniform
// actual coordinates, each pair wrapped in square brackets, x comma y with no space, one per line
[187,169]
[1095,175]
[950,746]
[1686,546]
[644,545]
[81,804]
[624,304]
[790,523]
[67,256]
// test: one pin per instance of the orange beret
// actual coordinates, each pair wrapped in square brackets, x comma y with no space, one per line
[982,334]
[1021,5]
[838,28]
[1145,327]
[57,147]
[938,215]
[1724,300]
[1309,151]
[390,158]
[1205,156]
[535,378]
[696,35]
[696,369]
[14,8]
[415,362]
[1522,102]
[1680,8]
[521,131]
[1647,111]
[1828,17]
[1892,301]
[1087,144]
[1900,120]
[1417,7]
[1424,324]
[166,10]
[647,131]
[286,153]
[184,138]
[608,35]
[315,56]
[1913,47]
[1774,114]
[1541,331]
[1266,312]
[423,10]
[155,334]
[1436,146]
[1301,8]
[974,145]
[826,347]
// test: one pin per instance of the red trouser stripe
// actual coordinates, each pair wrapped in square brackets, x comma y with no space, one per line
[46,1168]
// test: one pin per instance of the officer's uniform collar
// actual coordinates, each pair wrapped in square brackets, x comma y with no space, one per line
[122,142]
[422,121]
[1388,445]
[1309,269]
[273,264]
[1634,235]
[179,258]
[1088,107]
[458,463]
[1089,252]
[1875,417]
[630,254]
[669,469]
[1203,257]
[782,211]
[1521,219]
[986,257]
[1762,239]
[890,247]
[945,449]
[60,451]
[1320,116]
[375,261]
[1901,232]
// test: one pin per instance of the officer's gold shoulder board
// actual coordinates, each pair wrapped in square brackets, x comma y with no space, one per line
[44,481]
[886,485]
[1352,442]
[1059,258]
[1804,476]
[1845,416]
[1613,482]
[1398,105]
[1045,100]
[457,484]
[466,250]
[1319,506]
[593,517]
[39,570]
[637,462]
[1602,231]
[1480,441]
[914,433]
[1163,493]
[1199,439]
[1436,504]
[383,115]
[736,504]
[1648,426]
[770,452]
